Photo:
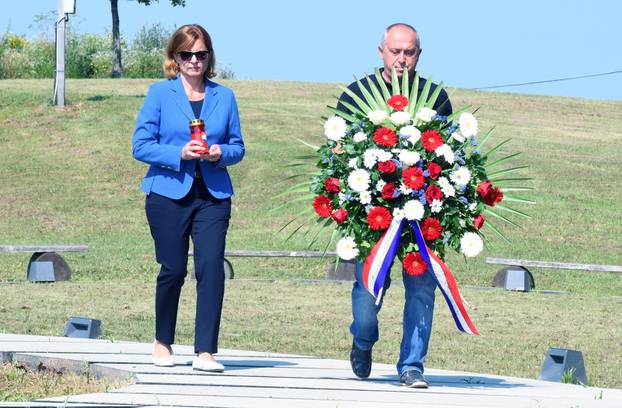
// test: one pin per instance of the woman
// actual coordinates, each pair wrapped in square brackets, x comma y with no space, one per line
[188,189]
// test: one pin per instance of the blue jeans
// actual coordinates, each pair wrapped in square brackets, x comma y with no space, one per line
[417,323]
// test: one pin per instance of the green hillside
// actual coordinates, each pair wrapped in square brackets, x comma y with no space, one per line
[67,176]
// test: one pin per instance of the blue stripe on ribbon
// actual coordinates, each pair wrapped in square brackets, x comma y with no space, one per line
[423,250]
[388,260]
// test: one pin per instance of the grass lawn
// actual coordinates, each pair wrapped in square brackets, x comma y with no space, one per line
[68,177]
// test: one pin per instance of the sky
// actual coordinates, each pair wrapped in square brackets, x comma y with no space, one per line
[466,44]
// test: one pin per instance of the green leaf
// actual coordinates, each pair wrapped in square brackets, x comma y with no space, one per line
[507,197]
[314,147]
[432,100]
[368,97]
[501,217]
[458,113]
[492,227]
[423,96]
[512,211]
[412,99]
[376,92]
[500,181]
[295,200]
[502,160]
[507,171]
[484,139]
[494,149]
[405,83]
[383,86]
[505,190]
[361,105]
[348,117]
[395,84]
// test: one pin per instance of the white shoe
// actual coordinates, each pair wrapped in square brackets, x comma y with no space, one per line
[163,361]
[209,366]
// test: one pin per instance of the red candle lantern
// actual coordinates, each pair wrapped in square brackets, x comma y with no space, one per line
[197,132]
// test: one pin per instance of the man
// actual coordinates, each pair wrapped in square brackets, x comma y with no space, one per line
[400,50]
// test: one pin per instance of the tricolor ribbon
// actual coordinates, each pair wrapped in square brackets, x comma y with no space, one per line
[378,262]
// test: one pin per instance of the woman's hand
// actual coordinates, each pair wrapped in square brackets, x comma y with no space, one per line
[188,151]
[214,153]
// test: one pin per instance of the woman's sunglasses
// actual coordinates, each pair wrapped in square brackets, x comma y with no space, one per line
[187,55]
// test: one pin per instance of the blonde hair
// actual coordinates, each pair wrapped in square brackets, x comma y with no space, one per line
[183,39]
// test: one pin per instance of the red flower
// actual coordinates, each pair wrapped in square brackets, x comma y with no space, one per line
[434,170]
[431,229]
[433,193]
[478,221]
[379,218]
[339,215]
[413,178]
[385,137]
[332,185]
[398,102]
[431,139]
[491,195]
[483,188]
[323,206]
[387,167]
[387,191]
[414,265]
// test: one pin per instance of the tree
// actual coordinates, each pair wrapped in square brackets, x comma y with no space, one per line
[117,67]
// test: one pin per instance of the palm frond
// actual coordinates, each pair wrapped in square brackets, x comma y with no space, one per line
[395,83]
[486,137]
[502,160]
[507,171]
[512,211]
[371,102]
[497,147]
[501,217]
[376,92]
[495,230]
[350,118]
[507,197]
[361,104]
[383,86]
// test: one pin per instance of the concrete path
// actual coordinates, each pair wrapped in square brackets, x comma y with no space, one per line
[255,379]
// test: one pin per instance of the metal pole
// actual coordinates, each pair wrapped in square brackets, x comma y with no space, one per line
[60,56]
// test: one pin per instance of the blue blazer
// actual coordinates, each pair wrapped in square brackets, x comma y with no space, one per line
[162,130]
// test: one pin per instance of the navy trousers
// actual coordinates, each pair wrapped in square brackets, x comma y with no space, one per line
[205,219]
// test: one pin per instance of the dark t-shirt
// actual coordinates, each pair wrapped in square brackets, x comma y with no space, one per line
[442,105]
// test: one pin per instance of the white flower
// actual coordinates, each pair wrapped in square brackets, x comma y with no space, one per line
[471,244]
[353,163]
[413,210]
[457,136]
[369,158]
[398,214]
[468,124]
[408,157]
[335,128]
[377,117]
[436,206]
[380,185]
[405,190]
[383,155]
[446,187]
[365,197]
[425,114]
[461,176]
[462,223]
[472,206]
[445,151]
[346,248]
[400,118]
[342,198]
[358,180]
[412,133]
[359,137]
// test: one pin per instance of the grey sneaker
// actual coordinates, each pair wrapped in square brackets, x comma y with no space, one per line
[413,379]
